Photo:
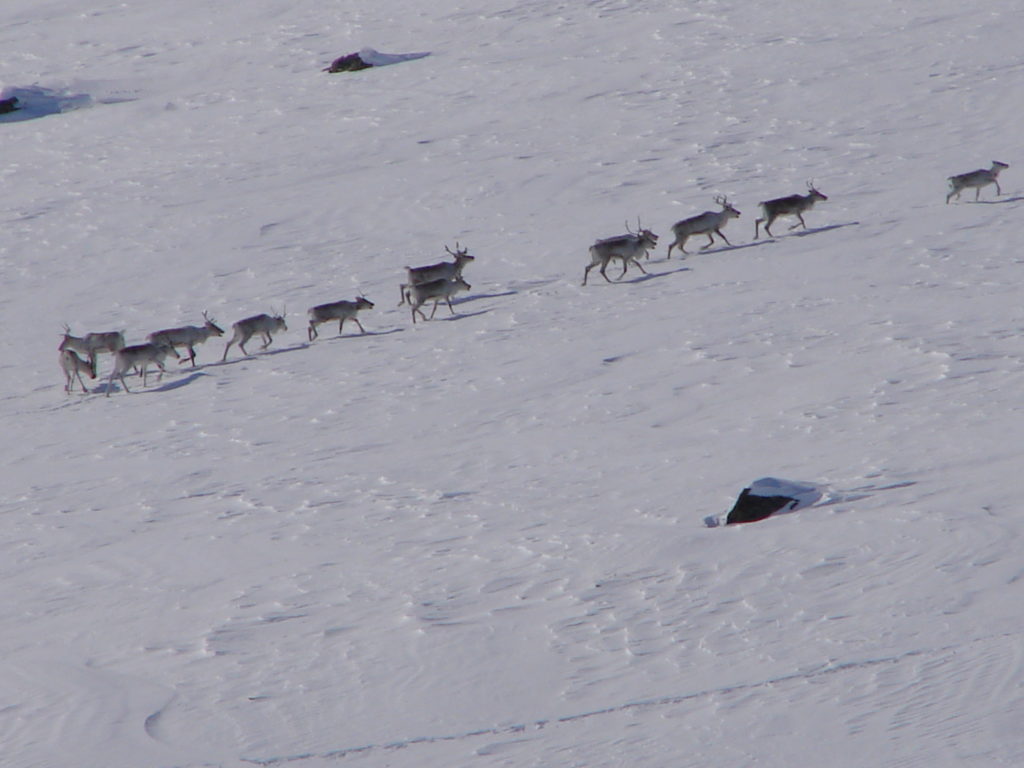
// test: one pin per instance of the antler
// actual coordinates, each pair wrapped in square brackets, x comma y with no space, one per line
[722,200]
[810,184]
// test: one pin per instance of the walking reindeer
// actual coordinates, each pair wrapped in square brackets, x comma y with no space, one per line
[139,356]
[73,367]
[263,324]
[709,223]
[448,270]
[92,344]
[977,179]
[337,310]
[628,248]
[187,336]
[793,205]
[417,295]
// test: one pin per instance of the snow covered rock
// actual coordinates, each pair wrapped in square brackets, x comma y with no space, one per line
[368,57]
[767,496]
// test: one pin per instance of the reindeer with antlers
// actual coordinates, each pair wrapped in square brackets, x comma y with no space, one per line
[793,205]
[92,343]
[628,248]
[187,336]
[709,223]
[442,270]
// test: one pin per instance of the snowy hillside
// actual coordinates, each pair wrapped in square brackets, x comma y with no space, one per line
[480,540]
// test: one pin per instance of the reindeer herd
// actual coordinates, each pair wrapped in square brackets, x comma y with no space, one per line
[630,247]
[435,282]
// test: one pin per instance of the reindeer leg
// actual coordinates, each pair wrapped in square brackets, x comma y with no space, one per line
[639,266]
[723,237]
[801,223]
[361,329]
[998,190]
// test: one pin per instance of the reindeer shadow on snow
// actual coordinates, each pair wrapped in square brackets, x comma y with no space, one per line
[726,248]
[818,230]
[356,336]
[1004,201]
[111,387]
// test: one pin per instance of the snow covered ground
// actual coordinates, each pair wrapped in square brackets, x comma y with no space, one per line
[479,541]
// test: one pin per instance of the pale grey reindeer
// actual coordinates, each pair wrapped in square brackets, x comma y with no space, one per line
[709,223]
[92,343]
[977,179]
[187,336]
[628,248]
[337,310]
[793,205]
[417,295]
[448,270]
[139,356]
[73,367]
[262,324]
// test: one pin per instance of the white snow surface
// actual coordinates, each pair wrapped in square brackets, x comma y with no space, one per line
[479,540]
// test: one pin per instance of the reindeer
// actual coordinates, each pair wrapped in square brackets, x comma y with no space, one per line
[443,269]
[417,295]
[264,325]
[628,248]
[708,223]
[340,311]
[187,336]
[139,356]
[92,343]
[977,179]
[73,366]
[794,205]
